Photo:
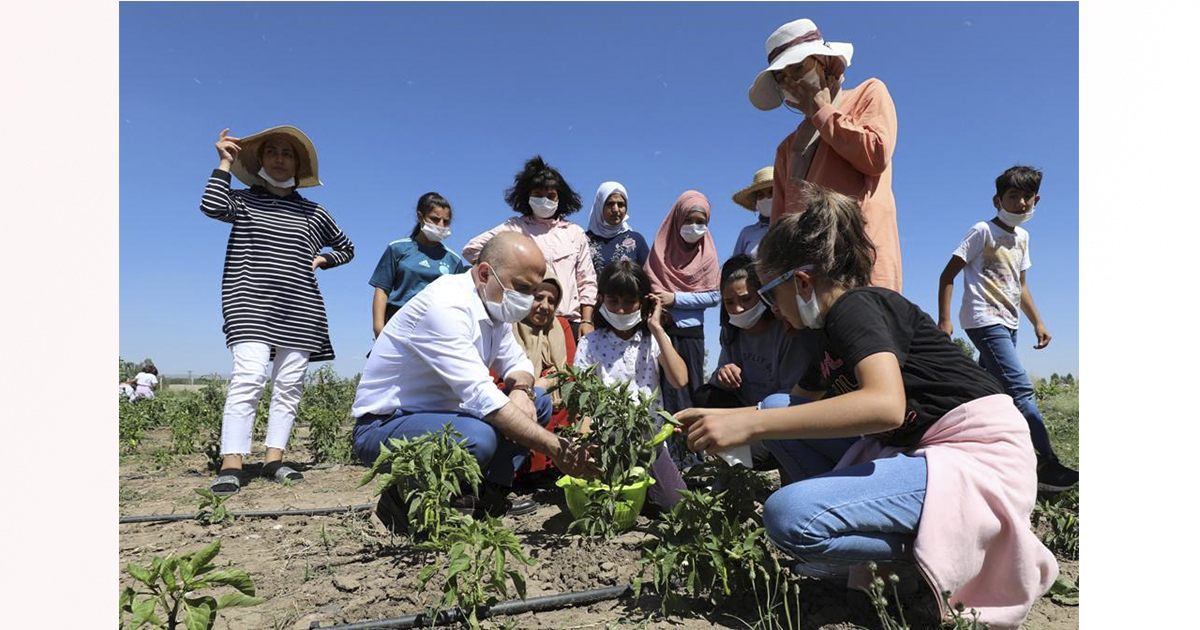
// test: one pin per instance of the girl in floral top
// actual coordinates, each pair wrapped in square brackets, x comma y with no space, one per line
[630,344]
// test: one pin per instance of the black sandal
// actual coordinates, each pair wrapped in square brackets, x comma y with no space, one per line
[280,472]
[228,482]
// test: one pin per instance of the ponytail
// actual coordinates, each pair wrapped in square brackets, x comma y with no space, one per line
[829,234]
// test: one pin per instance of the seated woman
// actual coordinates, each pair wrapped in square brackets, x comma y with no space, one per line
[548,343]
[759,356]
[910,450]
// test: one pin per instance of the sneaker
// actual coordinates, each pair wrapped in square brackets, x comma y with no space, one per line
[1054,477]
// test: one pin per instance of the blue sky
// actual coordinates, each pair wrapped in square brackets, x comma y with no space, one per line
[405,98]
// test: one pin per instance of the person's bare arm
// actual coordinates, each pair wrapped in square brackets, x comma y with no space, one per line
[1030,310]
[516,426]
[946,293]
[672,364]
[378,308]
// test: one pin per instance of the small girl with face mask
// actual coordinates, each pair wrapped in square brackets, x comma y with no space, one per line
[630,344]
[908,451]
[409,264]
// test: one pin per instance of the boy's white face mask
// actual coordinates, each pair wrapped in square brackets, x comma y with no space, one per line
[1012,219]
[290,183]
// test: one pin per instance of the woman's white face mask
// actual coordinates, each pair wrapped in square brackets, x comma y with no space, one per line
[763,206]
[810,310]
[693,232]
[290,183]
[435,233]
[542,207]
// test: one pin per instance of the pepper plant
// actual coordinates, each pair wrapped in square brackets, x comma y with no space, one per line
[212,510]
[622,423]
[428,471]
[171,586]
[477,569]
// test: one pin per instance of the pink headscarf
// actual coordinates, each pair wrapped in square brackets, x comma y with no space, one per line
[676,265]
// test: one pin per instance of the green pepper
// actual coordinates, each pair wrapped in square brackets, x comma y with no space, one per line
[663,433]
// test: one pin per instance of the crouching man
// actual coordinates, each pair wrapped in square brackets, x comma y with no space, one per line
[429,366]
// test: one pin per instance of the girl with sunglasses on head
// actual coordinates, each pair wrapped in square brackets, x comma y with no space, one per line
[908,451]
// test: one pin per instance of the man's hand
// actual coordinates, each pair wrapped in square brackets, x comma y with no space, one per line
[729,376]
[1043,336]
[521,400]
[711,431]
[573,460]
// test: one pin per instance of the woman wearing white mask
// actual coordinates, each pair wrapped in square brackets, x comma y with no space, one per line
[685,275]
[756,198]
[543,199]
[275,322]
[845,141]
[409,264]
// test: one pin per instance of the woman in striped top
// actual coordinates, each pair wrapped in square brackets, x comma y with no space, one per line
[274,314]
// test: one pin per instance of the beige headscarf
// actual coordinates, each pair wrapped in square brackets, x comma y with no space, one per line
[547,347]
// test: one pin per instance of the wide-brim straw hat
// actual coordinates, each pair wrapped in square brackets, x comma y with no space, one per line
[763,179]
[789,44]
[246,166]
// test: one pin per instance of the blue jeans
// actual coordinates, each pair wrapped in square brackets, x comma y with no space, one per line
[998,355]
[498,457]
[832,520]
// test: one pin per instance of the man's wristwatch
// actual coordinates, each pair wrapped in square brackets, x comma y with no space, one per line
[528,389]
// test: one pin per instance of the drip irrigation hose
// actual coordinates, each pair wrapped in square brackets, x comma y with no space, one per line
[511,607]
[163,518]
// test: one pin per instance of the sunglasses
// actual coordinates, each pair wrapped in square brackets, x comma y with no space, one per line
[767,289]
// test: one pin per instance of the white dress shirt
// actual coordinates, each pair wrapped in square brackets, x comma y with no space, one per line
[435,352]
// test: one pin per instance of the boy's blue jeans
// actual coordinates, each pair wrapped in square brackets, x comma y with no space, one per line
[498,457]
[997,346]
[832,520]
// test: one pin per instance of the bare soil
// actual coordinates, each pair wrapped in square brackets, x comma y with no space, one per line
[347,568]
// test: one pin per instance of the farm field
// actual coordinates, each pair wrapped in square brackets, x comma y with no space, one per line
[322,571]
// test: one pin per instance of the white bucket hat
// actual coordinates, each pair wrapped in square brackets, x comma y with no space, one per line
[789,44]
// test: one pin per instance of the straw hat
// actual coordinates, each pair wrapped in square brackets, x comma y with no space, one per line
[764,178]
[789,44]
[246,166]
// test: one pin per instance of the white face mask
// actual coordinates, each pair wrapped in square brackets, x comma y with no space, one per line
[763,206]
[290,183]
[810,311]
[693,232]
[435,233]
[513,307]
[621,322]
[749,317]
[1012,219]
[543,207]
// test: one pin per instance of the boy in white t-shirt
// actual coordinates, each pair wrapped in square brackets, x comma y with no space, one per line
[995,255]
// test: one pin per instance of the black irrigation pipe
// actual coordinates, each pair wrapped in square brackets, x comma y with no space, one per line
[511,607]
[163,518]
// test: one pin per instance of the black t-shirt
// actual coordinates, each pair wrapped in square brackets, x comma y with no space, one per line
[937,375]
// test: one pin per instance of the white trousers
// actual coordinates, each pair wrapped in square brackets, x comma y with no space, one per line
[251,365]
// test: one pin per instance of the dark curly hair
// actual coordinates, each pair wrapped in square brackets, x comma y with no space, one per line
[538,174]
[1024,178]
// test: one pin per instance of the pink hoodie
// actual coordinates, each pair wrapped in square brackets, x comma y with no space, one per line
[974,538]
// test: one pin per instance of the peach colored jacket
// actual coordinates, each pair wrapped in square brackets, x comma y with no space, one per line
[567,251]
[854,157]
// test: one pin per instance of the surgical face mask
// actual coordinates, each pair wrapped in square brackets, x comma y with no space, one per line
[513,307]
[763,206]
[1012,219]
[435,233]
[749,317]
[810,310]
[621,322]
[542,207]
[290,183]
[693,232]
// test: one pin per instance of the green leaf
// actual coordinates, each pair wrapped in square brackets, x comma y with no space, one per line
[236,578]
[231,600]
[199,617]
[425,574]
[143,613]
[518,580]
[205,555]
[140,574]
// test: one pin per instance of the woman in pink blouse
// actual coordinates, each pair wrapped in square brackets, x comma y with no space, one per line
[543,199]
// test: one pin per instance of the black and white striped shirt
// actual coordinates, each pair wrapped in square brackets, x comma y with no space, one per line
[269,291]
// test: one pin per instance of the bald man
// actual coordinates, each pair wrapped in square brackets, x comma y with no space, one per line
[429,366]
